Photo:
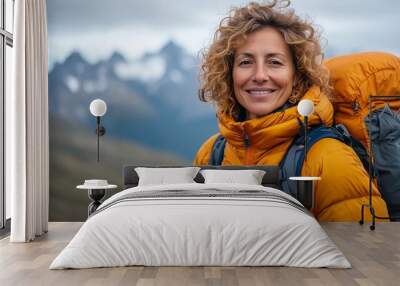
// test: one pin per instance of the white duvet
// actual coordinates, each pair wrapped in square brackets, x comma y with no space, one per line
[187,231]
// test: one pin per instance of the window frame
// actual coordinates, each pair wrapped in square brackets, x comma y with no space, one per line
[6,39]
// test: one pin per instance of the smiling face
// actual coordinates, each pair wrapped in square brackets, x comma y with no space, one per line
[263,72]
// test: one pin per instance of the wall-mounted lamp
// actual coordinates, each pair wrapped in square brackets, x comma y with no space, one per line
[305,108]
[304,191]
[98,108]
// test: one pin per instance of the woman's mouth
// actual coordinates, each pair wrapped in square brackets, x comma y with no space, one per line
[260,92]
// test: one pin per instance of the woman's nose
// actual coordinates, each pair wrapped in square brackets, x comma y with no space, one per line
[261,73]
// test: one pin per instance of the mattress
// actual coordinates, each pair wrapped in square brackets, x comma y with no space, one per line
[201,225]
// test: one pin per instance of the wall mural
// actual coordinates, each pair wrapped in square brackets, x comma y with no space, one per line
[142,60]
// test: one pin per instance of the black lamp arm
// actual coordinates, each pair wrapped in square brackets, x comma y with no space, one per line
[100,130]
[305,137]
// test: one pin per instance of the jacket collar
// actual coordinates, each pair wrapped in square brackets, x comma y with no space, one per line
[275,128]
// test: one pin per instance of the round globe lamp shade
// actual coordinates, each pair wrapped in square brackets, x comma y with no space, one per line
[305,107]
[98,107]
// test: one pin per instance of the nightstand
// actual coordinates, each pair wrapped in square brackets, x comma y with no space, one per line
[96,190]
[306,190]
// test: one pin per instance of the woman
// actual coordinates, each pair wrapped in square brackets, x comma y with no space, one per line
[263,60]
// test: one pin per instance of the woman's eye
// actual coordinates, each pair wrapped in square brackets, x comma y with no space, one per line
[244,62]
[275,62]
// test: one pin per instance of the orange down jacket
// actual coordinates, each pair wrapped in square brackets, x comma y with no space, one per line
[344,182]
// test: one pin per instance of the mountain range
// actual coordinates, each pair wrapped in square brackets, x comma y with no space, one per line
[151,101]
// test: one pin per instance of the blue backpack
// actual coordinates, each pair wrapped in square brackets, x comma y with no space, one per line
[293,160]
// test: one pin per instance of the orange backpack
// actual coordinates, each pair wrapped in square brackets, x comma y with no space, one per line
[358,80]
[354,78]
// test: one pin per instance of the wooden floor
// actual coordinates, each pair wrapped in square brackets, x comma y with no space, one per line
[374,255]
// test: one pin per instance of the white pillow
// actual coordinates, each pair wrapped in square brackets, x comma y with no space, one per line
[248,177]
[162,176]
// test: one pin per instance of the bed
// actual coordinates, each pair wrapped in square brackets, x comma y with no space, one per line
[201,224]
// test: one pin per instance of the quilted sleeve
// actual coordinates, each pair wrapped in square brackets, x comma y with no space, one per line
[204,152]
[344,182]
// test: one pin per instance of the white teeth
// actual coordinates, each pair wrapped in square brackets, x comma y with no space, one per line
[260,92]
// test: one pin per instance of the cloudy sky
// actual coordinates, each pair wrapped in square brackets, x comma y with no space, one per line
[98,27]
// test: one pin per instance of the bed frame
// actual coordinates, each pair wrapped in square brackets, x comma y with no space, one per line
[130,178]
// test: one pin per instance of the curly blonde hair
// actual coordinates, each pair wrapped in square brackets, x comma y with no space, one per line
[300,35]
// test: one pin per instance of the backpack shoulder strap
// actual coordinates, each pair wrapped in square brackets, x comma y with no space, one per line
[359,148]
[217,152]
[293,160]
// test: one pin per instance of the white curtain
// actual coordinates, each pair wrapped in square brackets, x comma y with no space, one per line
[27,139]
